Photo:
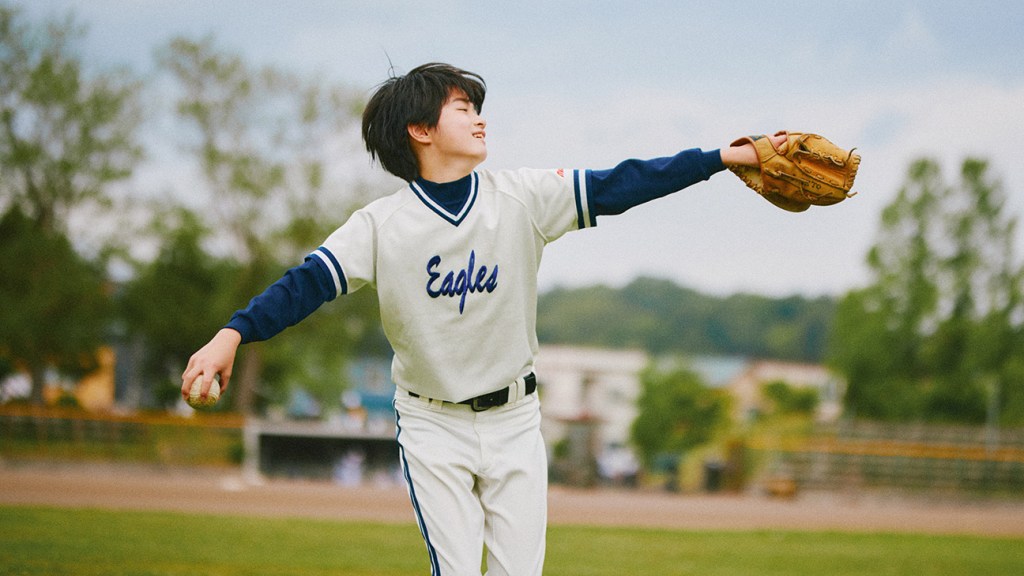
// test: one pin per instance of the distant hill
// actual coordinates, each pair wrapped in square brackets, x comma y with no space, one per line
[660,316]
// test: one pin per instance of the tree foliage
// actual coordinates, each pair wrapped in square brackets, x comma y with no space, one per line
[269,145]
[676,412]
[54,304]
[936,334]
[661,317]
[65,134]
[788,399]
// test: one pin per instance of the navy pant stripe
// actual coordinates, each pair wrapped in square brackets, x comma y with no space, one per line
[435,568]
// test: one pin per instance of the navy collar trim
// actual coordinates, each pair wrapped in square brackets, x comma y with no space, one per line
[454,218]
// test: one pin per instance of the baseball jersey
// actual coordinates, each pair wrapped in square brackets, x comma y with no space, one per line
[455,265]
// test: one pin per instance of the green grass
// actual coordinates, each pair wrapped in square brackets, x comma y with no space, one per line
[36,541]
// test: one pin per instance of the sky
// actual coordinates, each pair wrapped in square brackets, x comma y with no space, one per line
[576,84]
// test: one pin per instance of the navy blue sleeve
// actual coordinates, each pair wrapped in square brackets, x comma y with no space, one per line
[285,303]
[634,182]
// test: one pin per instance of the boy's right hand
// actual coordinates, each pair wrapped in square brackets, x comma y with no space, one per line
[216,357]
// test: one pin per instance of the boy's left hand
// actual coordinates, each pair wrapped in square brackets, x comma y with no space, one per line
[743,154]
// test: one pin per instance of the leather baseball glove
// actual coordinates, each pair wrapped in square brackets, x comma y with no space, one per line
[807,169]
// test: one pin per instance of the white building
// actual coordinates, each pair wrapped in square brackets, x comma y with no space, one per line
[592,386]
[599,388]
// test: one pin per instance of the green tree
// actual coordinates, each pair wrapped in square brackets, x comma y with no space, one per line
[972,342]
[65,135]
[676,412]
[866,349]
[878,334]
[935,335]
[788,399]
[54,305]
[271,147]
[661,317]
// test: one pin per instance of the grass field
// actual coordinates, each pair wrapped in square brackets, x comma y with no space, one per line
[86,542]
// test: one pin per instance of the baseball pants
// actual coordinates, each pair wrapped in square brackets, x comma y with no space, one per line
[476,480]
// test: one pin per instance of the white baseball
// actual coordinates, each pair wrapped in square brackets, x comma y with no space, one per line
[195,400]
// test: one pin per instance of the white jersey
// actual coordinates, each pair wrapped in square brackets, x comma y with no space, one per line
[458,291]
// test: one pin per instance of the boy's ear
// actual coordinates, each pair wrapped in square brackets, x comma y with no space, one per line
[419,133]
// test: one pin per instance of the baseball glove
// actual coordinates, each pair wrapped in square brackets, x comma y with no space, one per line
[807,169]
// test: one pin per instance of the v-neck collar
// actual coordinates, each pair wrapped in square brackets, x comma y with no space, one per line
[472,182]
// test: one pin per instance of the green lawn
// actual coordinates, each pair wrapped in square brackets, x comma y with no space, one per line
[36,540]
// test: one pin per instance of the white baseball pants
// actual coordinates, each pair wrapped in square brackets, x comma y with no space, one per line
[476,479]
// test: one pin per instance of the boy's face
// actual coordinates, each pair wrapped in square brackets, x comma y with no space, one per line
[459,134]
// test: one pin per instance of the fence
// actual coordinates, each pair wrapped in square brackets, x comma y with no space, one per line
[850,456]
[31,433]
[913,457]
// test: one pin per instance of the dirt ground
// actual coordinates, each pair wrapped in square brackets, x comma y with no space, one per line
[227,492]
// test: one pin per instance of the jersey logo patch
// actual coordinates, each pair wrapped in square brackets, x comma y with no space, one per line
[460,283]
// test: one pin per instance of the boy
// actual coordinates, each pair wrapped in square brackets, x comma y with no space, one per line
[454,259]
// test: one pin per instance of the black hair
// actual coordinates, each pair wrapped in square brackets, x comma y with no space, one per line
[413,99]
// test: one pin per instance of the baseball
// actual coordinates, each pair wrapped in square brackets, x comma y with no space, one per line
[197,401]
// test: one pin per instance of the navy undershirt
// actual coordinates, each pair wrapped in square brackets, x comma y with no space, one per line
[451,195]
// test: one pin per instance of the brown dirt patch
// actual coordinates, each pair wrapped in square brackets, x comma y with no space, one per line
[227,492]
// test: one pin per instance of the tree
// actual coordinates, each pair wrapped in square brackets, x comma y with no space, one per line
[65,135]
[788,399]
[973,341]
[940,325]
[661,317]
[676,412]
[271,148]
[878,330]
[54,304]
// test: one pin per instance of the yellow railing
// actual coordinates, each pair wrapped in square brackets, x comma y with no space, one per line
[893,448]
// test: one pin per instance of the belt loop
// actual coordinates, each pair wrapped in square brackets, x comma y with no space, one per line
[432,404]
[519,389]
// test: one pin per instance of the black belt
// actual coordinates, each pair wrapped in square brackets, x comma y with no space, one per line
[496,398]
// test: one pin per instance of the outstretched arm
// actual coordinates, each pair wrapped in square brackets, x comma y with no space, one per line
[634,182]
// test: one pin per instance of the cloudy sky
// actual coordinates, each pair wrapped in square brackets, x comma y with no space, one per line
[587,84]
